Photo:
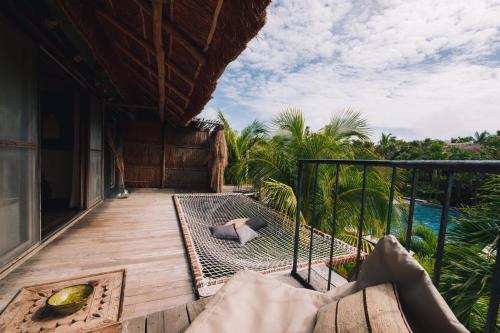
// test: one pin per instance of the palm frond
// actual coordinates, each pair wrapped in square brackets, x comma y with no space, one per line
[347,124]
[465,279]
[351,237]
[280,196]
[291,122]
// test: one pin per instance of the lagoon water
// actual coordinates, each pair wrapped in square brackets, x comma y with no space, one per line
[430,215]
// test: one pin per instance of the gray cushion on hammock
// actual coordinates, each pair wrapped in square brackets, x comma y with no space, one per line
[424,308]
[227,232]
[256,223]
[246,234]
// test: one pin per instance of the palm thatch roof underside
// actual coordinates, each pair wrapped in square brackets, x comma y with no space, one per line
[169,54]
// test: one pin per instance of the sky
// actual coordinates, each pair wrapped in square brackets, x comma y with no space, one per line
[413,68]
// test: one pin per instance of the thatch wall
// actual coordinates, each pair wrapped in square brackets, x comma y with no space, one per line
[143,154]
[217,159]
[161,156]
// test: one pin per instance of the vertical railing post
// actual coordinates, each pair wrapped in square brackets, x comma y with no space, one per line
[409,229]
[334,224]
[391,201]
[313,222]
[442,230]
[491,319]
[361,221]
[297,217]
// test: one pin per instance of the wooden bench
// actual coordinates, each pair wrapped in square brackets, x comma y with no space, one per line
[173,320]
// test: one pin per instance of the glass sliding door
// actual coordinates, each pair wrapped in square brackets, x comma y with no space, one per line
[19,186]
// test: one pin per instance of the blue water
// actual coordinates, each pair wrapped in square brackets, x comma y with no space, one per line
[430,215]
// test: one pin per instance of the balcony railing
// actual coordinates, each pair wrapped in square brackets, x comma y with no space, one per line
[448,168]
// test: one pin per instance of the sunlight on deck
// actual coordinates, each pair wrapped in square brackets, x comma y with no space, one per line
[140,234]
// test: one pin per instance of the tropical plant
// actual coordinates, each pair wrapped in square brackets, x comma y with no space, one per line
[240,149]
[388,146]
[480,137]
[469,259]
[346,125]
[423,245]
[274,166]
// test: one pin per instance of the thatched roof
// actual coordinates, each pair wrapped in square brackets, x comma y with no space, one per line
[166,54]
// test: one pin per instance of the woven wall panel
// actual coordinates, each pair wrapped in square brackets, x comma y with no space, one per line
[187,178]
[143,154]
[186,136]
[186,156]
[143,176]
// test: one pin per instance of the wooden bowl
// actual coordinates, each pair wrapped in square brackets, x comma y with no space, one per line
[70,299]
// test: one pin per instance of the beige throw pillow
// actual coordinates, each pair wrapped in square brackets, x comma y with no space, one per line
[374,309]
[238,222]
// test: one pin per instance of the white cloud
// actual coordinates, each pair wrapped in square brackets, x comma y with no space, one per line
[209,113]
[429,68]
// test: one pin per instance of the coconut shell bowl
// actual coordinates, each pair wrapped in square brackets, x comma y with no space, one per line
[70,299]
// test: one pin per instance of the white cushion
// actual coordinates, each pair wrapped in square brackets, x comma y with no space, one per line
[251,302]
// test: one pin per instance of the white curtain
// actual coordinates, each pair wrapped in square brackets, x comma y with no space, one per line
[74,201]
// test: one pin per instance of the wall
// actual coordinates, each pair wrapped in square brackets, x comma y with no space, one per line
[158,156]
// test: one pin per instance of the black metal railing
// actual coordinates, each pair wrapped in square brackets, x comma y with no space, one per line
[448,168]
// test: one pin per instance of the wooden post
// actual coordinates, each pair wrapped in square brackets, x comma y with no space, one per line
[160,54]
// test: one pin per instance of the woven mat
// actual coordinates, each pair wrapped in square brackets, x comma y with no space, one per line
[27,312]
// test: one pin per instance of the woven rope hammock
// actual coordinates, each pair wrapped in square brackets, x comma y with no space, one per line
[213,261]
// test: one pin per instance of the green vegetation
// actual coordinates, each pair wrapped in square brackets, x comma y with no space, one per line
[267,158]
[483,146]
[241,149]
[466,278]
[271,164]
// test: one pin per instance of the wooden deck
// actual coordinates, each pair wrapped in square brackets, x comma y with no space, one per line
[173,320]
[140,234]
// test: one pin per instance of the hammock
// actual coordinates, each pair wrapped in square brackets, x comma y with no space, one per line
[214,261]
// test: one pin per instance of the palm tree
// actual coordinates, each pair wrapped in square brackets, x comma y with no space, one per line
[346,125]
[385,139]
[480,137]
[469,258]
[275,172]
[240,149]
[387,146]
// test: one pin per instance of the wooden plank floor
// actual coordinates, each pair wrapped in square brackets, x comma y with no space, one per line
[173,320]
[140,234]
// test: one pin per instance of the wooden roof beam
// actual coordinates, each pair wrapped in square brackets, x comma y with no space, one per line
[213,26]
[126,31]
[160,54]
[139,62]
[182,39]
[144,107]
[144,43]
[178,35]
[141,78]
[148,83]
[176,107]
[180,73]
